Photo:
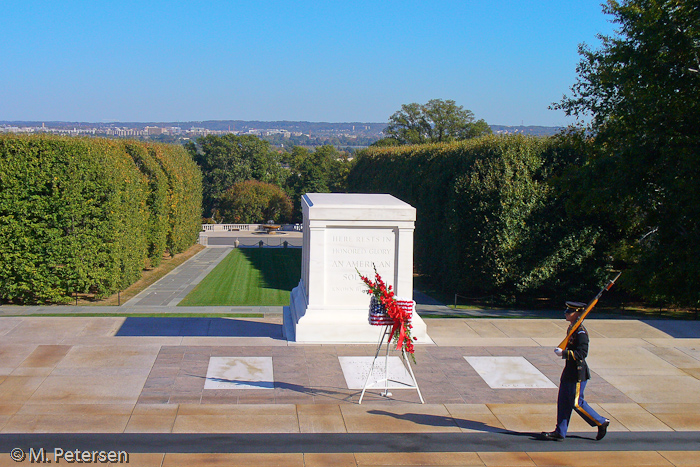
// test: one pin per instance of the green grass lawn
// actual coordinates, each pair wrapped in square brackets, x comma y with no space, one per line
[249,277]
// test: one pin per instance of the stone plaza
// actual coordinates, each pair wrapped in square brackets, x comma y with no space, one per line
[234,391]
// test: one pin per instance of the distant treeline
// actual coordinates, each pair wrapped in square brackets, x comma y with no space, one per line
[87,215]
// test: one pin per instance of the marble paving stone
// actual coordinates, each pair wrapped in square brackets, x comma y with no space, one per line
[12,355]
[45,356]
[239,373]
[381,417]
[633,417]
[110,356]
[529,328]
[691,351]
[680,421]
[316,418]
[19,388]
[536,423]
[626,357]
[144,459]
[648,372]
[175,399]
[234,460]
[506,409]
[75,409]
[155,409]
[682,458]
[88,389]
[102,327]
[150,424]
[8,324]
[356,369]
[613,328]
[122,340]
[63,423]
[509,373]
[41,371]
[474,417]
[506,459]
[9,409]
[485,328]
[497,342]
[600,458]
[657,408]
[668,389]
[676,357]
[464,459]
[447,332]
[338,459]
[233,409]
[236,423]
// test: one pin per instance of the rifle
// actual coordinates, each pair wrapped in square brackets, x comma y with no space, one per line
[588,309]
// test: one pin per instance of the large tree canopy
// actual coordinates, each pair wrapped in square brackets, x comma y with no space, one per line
[437,121]
[253,202]
[229,159]
[642,92]
[321,171]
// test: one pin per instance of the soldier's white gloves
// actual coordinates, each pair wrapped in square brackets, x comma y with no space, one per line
[558,351]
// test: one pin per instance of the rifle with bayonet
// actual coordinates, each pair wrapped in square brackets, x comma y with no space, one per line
[588,309]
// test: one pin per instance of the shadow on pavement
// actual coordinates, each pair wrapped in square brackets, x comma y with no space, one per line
[676,328]
[441,421]
[198,327]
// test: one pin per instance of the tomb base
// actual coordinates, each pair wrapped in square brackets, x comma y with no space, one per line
[337,324]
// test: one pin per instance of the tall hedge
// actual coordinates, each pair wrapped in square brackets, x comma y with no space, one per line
[489,220]
[86,215]
[184,195]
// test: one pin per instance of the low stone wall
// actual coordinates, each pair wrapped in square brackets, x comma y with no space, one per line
[248,227]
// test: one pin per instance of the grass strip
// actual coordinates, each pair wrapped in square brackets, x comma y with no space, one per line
[249,277]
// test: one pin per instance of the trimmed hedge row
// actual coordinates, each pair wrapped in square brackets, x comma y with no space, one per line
[87,215]
[489,220]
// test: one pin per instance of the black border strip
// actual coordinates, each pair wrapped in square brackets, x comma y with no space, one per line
[502,441]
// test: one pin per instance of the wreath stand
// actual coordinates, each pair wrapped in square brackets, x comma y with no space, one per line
[386,334]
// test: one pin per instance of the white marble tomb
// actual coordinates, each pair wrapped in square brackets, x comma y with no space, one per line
[344,232]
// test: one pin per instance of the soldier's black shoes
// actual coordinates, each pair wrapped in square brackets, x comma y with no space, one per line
[602,430]
[552,436]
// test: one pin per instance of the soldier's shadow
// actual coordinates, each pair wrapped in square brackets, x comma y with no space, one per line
[442,421]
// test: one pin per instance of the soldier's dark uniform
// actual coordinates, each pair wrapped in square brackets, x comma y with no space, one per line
[571,386]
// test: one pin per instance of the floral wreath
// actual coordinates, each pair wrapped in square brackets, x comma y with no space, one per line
[401,328]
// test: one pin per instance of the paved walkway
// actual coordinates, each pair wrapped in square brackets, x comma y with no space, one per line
[138,385]
[175,286]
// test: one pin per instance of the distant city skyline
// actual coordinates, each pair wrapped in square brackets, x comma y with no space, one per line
[162,61]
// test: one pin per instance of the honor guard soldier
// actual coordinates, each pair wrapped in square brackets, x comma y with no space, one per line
[573,380]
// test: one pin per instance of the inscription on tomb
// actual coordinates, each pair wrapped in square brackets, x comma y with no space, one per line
[352,250]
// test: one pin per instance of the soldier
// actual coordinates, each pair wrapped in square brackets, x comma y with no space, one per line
[573,381]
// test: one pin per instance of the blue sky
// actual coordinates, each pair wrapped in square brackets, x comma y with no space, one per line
[332,61]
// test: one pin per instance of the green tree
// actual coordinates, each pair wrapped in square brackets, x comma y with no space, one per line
[252,202]
[437,121]
[321,171]
[229,159]
[642,92]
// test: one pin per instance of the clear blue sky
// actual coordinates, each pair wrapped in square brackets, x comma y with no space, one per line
[332,61]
